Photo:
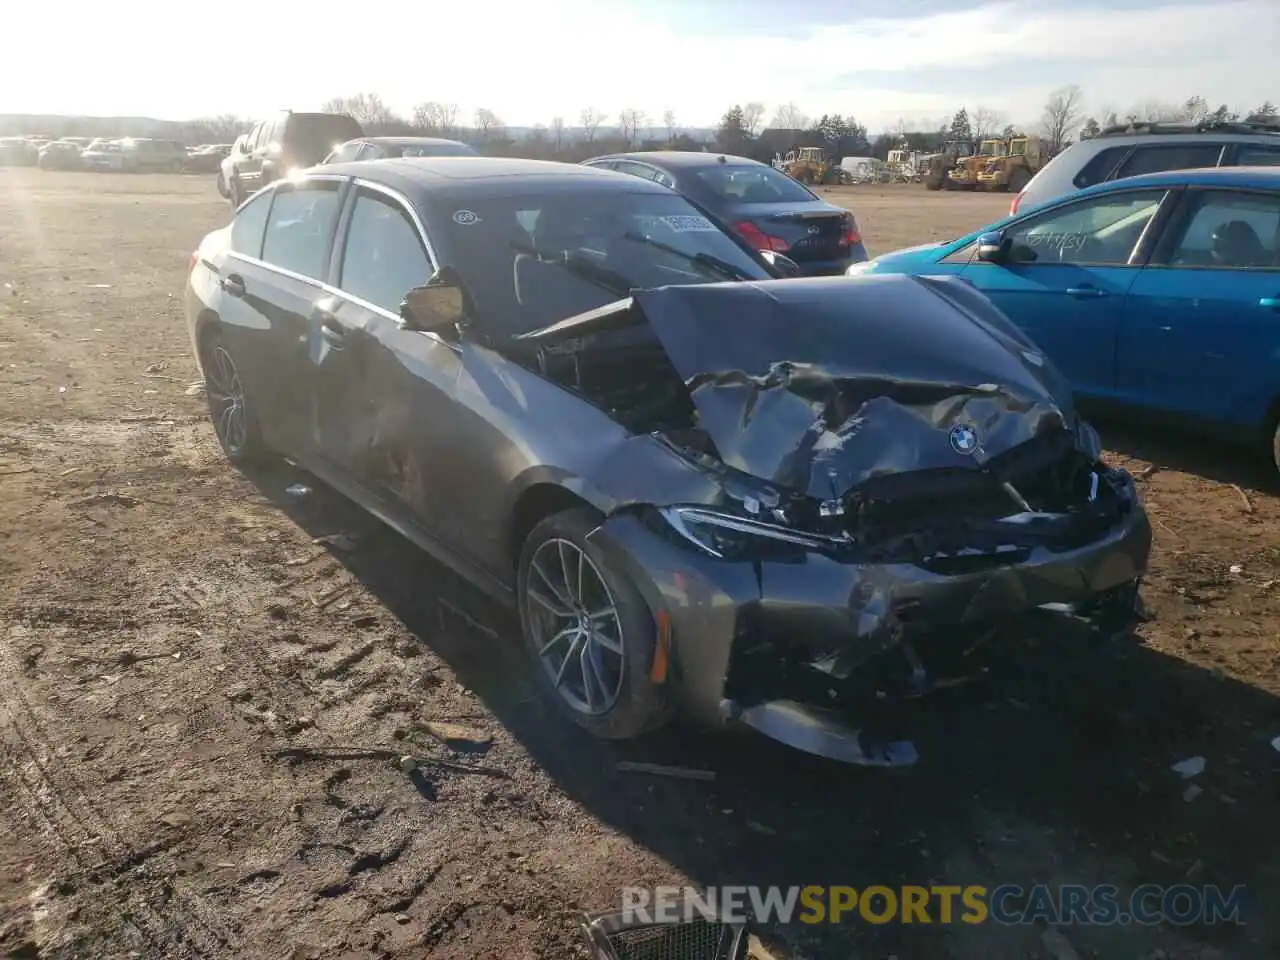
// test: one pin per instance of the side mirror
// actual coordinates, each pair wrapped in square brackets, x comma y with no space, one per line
[782,263]
[992,248]
[436,306]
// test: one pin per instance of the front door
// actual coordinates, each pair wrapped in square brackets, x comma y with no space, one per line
[1064,279]
[1201,331]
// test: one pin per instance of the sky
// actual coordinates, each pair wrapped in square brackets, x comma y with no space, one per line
[531,60]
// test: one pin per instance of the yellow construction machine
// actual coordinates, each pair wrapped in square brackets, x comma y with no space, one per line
[964,175]
[1013,169]
[934,167]
[811,165]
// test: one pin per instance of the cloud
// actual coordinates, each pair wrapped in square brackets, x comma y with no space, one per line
[528,62]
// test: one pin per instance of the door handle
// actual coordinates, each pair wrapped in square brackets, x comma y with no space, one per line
[331,330]
[233,284]
[1085,291]
[1272,303]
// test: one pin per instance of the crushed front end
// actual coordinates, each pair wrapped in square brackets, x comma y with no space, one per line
[810,630]
[892,472]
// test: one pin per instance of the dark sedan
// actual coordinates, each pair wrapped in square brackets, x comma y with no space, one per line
[388,148]
[706,490]
[765,207]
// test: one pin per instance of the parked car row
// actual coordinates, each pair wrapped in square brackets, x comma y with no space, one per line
[125,154]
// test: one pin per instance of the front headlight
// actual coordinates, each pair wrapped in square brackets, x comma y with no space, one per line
[726,536]
[864,266]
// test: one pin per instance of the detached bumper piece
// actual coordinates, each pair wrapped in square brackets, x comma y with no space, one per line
[615,936]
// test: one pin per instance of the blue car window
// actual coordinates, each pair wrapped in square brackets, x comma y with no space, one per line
[1231,229]
[1252,156]
[1100,230]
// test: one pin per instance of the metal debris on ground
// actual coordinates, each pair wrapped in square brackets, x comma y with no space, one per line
[196,389]
[339,541]
[298,490]
[1192,792]
[1191,767]
[682,773]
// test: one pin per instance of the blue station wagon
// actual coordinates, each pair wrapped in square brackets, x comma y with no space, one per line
[1159,293]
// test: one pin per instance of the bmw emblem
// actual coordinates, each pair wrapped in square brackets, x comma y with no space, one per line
[815,230]
[964,438]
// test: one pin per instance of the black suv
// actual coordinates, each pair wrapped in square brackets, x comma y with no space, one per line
[286,142]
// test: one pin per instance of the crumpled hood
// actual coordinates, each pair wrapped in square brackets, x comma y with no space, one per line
[818,385]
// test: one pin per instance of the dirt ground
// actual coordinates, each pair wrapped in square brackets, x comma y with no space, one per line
[202,706]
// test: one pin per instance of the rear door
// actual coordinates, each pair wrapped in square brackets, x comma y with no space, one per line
[1066,275]
[1201,329]
[278,293]
[249,163]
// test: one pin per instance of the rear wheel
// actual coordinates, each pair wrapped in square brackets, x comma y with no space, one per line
[588,631]
[235,193]
[234,419]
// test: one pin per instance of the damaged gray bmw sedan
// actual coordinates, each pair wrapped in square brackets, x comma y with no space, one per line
[709,491]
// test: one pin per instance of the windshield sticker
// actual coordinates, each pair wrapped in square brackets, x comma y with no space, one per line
[689,224]
[465,218]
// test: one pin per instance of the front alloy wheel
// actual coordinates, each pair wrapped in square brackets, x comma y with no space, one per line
[589,632]
[583,649]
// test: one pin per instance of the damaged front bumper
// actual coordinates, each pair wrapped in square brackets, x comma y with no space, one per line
[795,647]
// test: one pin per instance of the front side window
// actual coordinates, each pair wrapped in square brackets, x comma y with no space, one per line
[534,260]
[1229,229]
[300,227]
[249,226]
[383,258]
[1099,230]
[1170,156]
[739,183]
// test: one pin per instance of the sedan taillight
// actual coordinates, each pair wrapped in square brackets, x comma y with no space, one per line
[759,239]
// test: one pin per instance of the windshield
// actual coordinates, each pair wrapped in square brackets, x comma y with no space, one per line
[312,138]
[753,184]
[533,260]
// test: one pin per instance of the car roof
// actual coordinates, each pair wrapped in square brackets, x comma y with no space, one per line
[481,176]
[407,141]
[1265,178]
[681,159]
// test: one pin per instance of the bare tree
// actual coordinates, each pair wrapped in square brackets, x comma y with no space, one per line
[426,116]
[899,130]
[1061,117]
[752,116]
[225,127]
[487,124]
[448,118]
[367,108]
[1152,111]
[557,132]
[986,122]
[669,121]
[789,117]
[590,118]
[629,123]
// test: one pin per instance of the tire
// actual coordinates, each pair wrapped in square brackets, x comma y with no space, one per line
[234,193]
[233,415]
[1275,445]
[222,187]
[627,702]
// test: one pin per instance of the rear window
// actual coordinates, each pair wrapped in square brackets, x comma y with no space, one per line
[1100,168]
[436,150]
[1248,155]
[312,137]
[1170,156]
[754,184]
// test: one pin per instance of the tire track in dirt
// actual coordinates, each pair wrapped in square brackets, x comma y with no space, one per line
[180,920]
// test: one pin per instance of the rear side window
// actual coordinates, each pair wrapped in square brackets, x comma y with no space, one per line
[383,257]
[347,151]
[1100,168]
[1249,155]
[1234,229]
[1170,156]
[300,227]
[249,225]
